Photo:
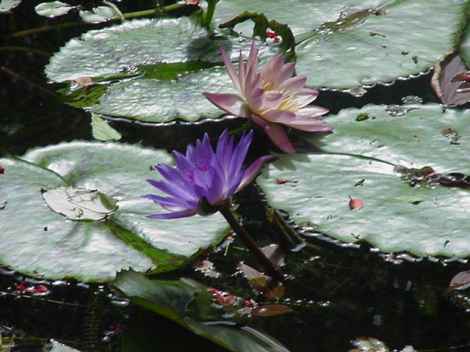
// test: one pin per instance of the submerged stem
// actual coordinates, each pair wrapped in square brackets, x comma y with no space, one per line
[268,265]
[126,16]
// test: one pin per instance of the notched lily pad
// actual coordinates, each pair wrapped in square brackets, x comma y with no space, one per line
[345,45]
[152,71]
[406,173]
[76,210]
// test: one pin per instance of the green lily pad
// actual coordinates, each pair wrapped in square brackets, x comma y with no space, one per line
[365,159]
[53,9]
[172,300]
[349,44]
[102,131]
[75,211]
[164,101]
[152,71]
[59,347]
[8,5]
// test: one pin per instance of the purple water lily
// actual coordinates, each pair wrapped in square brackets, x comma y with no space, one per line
[271,97]
[204,179]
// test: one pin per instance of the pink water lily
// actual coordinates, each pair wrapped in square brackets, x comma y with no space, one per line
[271,97]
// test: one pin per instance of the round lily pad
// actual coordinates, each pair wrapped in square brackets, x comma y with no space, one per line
[391,166]
[76,211]
[164,101]
[348,44]
[153,71]
[121,48]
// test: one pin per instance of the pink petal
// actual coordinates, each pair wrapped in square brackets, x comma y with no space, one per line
[293,84]
[305,96]
[230,69]
[230,103]
[252,171]
[276,133]
[286,72]
[271,100]
[309,124]
[279,116]
[314,112]
[271,71]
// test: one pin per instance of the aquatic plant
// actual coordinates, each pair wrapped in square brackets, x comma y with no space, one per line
[271,97]
[203,182]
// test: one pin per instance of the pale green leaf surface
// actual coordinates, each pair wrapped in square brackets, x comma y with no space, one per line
[354,43]
[396,217]
[8,5]
[102,131]
[162,101]
[53,9]
[40,242]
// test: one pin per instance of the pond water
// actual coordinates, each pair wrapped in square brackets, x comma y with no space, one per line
[335,293]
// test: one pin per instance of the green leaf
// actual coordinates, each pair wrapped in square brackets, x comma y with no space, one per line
[375,159]
[102,131]
[348,45]
[149,70]
[105,184]
[98,14]
[465,47]
[53,9]
[126,46]
[171,300]
[261,26]
[59,347]
[163,101]
[8,5]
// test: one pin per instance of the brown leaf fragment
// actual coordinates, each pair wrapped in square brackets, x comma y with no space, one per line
[461,281]
[275,254]
[355,203]
[257,279]
[450,81]
[271,310]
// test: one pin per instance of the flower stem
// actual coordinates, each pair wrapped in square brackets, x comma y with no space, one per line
[209,13]
[268,265]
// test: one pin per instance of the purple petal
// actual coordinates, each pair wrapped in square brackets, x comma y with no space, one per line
[253,170]
[239,153]
[167,202]
[215,193]
[230,103]
[176,192]
[174,215]
[185,167]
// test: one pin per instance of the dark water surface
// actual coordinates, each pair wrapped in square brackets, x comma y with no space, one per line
[336,293]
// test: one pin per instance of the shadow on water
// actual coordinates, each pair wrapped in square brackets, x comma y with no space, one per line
[336,294]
